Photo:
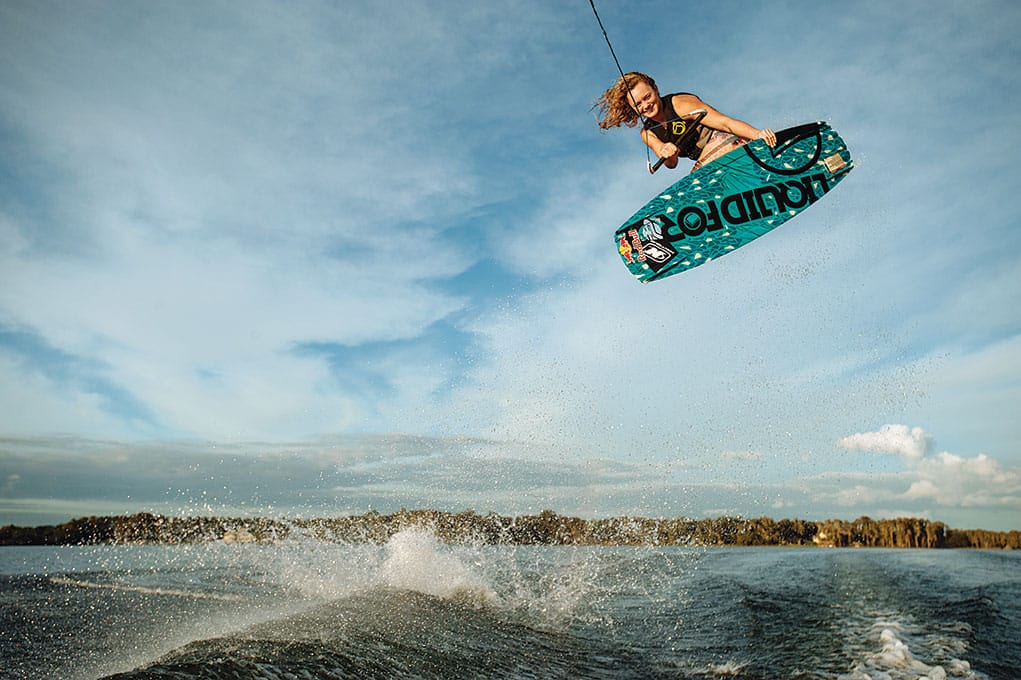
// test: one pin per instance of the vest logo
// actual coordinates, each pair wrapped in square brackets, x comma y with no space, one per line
[678,127]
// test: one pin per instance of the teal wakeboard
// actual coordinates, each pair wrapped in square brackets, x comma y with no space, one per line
[732,201]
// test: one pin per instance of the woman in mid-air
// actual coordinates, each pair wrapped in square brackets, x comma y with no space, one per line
[635,97]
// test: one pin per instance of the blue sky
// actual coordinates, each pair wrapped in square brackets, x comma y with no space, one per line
[316,258]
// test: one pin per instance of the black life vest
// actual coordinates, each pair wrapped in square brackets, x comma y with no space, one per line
[674,128]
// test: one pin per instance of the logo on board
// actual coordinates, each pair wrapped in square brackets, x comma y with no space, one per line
[651,240]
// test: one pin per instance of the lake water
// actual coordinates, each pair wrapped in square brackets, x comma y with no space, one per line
[417,608]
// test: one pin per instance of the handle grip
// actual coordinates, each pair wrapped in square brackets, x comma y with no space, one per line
[699,115]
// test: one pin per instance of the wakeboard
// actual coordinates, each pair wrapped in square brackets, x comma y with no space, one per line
[732,201]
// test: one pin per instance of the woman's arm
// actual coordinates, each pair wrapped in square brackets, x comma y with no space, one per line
[667,151]
[719,121]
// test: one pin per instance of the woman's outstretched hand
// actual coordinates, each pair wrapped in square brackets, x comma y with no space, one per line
[768,135]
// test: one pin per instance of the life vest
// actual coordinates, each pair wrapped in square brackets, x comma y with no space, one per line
[674,128]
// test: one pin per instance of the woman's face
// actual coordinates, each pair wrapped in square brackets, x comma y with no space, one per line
[644,99]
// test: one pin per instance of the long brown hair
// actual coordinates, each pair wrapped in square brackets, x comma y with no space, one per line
[615,104]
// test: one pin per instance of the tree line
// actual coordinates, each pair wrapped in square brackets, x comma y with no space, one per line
[546,528]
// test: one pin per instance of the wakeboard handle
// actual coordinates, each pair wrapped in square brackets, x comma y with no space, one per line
[700,113]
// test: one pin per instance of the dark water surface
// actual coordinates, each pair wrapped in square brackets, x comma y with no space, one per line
[419,609]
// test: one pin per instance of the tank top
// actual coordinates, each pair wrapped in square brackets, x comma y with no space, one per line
[674,128]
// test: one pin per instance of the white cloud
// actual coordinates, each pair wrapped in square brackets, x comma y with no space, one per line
[912,443]
[945,479]
[923,488]
[952,480]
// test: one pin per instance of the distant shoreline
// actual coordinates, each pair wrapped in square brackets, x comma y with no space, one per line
[546,528]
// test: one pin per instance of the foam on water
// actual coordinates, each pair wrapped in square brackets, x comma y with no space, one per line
[416,561]
[892,649]
[169,592]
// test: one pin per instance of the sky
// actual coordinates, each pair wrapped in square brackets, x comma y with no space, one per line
[317,258]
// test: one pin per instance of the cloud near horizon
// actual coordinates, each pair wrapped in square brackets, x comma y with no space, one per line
[947,479]
[54,479]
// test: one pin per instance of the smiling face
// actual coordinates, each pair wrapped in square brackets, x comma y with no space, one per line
[644,99]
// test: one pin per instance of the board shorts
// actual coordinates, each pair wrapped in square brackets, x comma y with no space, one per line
[719,144]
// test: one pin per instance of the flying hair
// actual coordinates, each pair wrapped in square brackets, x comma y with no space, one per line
[615,105]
